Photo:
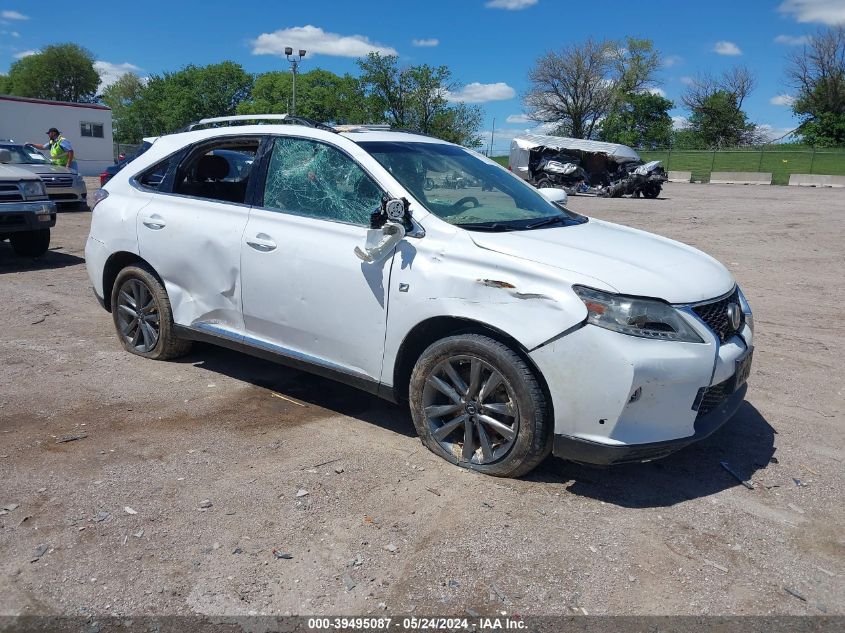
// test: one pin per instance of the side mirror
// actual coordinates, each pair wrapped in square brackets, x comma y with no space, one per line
[380,242]
[554,195]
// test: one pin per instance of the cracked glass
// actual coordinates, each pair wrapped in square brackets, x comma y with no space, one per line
[316,180]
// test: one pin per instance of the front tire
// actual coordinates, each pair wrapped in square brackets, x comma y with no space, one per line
[652,190]
[478,404]
[143,317]
[31,243]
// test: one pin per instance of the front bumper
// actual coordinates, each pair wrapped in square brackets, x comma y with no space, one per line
[26,216]
[588,452]
[68,195]
[620,398]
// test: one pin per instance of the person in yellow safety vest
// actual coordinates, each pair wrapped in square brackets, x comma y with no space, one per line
[61,151]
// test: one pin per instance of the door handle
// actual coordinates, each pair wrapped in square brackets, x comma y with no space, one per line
[154,221]
[262,243]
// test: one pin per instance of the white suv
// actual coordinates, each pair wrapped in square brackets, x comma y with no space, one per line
[421,271]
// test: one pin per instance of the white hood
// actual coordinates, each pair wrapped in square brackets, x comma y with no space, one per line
[632,262]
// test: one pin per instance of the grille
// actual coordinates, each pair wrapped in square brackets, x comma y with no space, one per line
[57,181]
[10,192]
[709,398]
[715,315]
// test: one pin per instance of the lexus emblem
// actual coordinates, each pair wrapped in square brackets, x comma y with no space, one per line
[734,315]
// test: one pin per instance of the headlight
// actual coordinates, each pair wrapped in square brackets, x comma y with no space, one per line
[33,189]
[645,318]
[78,180]
[746,309]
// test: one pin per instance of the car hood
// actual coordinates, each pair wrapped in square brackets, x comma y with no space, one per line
[15,172]
[632,262]
[44,169]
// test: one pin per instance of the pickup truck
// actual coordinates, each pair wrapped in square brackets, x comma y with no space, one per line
[26,213]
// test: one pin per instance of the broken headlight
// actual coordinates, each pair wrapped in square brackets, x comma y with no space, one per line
[646,318]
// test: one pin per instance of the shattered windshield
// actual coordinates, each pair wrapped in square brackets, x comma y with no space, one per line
[314,179]
[22,155]
[465,190]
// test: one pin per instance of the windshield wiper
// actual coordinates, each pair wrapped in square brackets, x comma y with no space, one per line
[555,219]
[487,226]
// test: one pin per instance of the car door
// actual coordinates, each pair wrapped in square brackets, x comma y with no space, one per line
[305,293]
[190,233]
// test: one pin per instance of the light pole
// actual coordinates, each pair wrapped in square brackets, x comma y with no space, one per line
[294,67]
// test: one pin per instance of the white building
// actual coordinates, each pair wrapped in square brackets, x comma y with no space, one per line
[86,125]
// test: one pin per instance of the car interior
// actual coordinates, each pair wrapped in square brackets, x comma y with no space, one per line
[218,172]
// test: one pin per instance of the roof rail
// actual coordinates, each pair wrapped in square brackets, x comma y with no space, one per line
[286,118]
[363,127]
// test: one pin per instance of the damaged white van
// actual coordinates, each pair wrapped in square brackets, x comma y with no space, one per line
[512,326]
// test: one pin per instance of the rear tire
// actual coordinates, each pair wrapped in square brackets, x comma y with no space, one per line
[31,243]
[471,386]
[652,190]
[142,315]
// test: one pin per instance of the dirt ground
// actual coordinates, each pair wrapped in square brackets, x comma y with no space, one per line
[113,522]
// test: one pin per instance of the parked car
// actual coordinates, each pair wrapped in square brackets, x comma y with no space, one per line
[26,213]
[64,187]
[512,326]
[583,166]
[109,172]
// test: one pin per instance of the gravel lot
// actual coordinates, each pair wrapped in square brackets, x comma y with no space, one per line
[114,522]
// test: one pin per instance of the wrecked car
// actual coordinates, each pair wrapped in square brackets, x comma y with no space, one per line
[511,326]
[583,166]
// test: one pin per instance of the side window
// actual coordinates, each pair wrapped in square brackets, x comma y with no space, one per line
[316,180]
[154,176]
[218,171]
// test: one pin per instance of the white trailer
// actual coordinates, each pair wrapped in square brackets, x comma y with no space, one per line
[88,127]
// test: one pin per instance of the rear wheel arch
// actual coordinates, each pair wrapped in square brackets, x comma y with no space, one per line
[423,334]
[114,264]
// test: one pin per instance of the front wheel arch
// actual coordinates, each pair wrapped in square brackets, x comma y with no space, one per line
[114,264]
[424,333]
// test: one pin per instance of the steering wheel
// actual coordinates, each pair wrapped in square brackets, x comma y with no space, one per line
[464,200]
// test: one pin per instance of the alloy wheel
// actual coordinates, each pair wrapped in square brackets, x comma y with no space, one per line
[138,315]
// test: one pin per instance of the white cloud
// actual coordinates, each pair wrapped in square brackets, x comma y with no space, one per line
[822,11]
[482,93]
[517,118]
[726,48]
[110,73]
[510,5]
[680,123]
[655,91]
[687,81]
[782,100]
[772,133]
[672,60]
[23,54]
[432,41]
[792,40]
[10,33]
[316,41]
[13,15]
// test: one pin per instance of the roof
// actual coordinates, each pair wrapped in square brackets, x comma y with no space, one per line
[71,104]
[620,153]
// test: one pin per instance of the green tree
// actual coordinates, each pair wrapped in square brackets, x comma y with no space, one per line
[641,120]
[61,72]
[170,101]
[717,119]
[120,97]
[320,95]
[415,98]
[4,84]
[718,122]
[817,72]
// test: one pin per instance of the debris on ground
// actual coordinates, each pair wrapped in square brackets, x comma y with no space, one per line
[745,482]
[339,469]
[799,483]
[390,547]
[71,437]
[497,594]
[129,510]
[382,606]
[809,470]
[453,584]
[39,552]
[282,555]
[792,592]
[434,491]
[101,516]
[11,507]
[348,582]
[716,565]
[486,505]
[237,550]
[302,492]
[205,504]
[357,561]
